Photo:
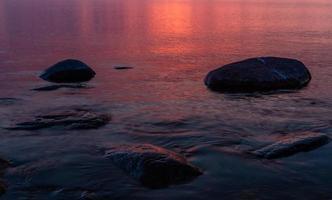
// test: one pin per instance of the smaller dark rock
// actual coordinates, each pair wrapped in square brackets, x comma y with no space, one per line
[68,119]
[122,67]
[68,71]
[153,166]
[56,87]
[292,144]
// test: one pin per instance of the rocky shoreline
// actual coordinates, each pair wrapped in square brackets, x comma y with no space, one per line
[154,166]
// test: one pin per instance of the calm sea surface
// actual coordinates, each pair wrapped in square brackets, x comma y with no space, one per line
[171,45]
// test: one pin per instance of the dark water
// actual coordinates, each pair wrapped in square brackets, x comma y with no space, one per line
[171,45]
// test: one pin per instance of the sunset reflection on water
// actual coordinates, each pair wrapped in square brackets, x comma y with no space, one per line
[143,30]
[170,40]
[169,47]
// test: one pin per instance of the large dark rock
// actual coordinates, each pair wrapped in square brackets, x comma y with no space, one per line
[153,166]
[68,71]
[292,144]
[78,118]
[259,74]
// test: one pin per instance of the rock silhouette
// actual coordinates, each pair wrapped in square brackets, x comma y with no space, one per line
[122,67]
[259,74]
[68,71]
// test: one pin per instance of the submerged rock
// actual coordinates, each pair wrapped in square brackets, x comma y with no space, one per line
[2,188]
[259,74]
[292,144]
[153,166]
[8,101]
[4,164]
[69,119]
[68,71]
[56,87]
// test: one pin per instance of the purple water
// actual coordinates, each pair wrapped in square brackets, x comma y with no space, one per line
[171,45]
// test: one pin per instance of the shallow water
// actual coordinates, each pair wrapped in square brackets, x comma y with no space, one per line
[162,100]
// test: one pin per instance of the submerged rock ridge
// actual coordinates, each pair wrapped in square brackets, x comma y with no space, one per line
[68,71]
[259,74]
[78,118]
[292,144]
[153,166]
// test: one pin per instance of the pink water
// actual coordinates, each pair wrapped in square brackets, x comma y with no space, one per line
[171,45]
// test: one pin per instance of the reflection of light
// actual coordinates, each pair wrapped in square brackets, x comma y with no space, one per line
[2,18]
[173,50]
[171,18]
[170,24]
[85,17]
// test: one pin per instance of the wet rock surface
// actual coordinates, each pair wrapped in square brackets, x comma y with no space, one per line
[75,118]
[292,144]
[259,74]
[68,71]
[153,166]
